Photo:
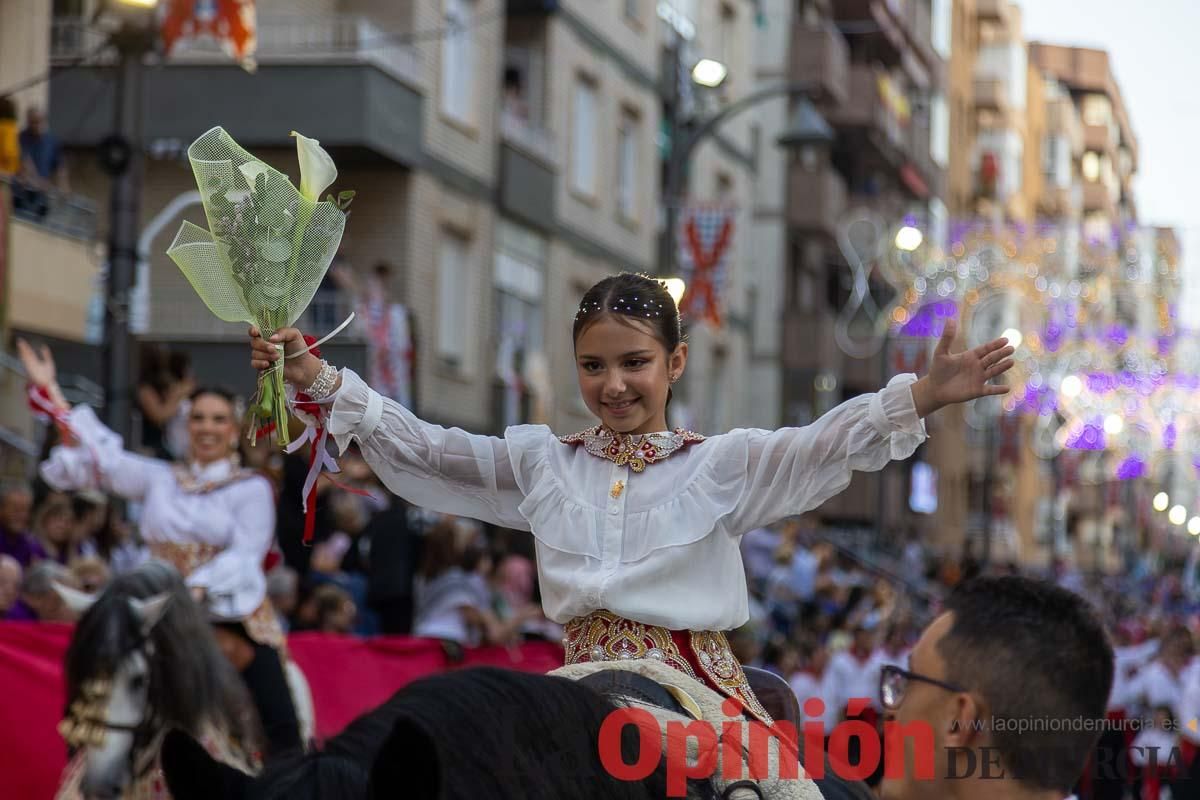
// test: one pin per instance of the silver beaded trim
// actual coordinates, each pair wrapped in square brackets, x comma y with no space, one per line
[322,385]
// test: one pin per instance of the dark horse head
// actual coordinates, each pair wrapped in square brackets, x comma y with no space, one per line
[461,735]
[143,660]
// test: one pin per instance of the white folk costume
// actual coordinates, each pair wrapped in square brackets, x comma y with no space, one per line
[1156,686]
[214,523]
[637,536]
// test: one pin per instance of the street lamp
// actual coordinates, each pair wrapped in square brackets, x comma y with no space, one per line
[709,73]
[121,157]
[807,129]
[807,134]
[676,288]
[1177,515]
[1014,337]
[908,238]
[1161,501]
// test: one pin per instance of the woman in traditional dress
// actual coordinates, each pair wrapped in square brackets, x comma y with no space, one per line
[636,525]
[209,517]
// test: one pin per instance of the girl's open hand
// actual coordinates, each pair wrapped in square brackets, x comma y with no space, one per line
[959,377]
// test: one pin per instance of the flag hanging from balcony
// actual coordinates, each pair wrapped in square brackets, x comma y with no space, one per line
[233,24]
[705,236]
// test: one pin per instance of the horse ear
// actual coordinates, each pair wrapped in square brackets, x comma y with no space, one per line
[407,765]
[192,774]
[77,601]
[150,610]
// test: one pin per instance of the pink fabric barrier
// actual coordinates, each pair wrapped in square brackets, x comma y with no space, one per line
[347,675]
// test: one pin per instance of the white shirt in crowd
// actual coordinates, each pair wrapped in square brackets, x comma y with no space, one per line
[1155,686]
[1189,709]
[440,602]
[238,517]
[664,549]
[849,677]
[1127,662]
[806,685]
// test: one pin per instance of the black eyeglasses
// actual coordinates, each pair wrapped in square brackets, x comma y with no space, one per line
[893,683]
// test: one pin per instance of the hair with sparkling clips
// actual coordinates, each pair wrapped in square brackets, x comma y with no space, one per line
[628,297]
[636,297]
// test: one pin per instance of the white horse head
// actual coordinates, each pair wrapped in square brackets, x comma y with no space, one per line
[112,718]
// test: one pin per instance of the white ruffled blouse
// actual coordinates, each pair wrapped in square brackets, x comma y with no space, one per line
[238,518]
[663,550]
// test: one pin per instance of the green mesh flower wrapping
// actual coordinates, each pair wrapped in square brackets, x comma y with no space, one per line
[266,249]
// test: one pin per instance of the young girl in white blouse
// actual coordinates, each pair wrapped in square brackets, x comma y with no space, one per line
[636,526]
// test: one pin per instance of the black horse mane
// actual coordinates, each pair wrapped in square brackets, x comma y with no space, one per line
[191,681]
[459,735]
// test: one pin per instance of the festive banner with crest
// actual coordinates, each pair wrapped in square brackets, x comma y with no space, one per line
[705,237]
[233,24]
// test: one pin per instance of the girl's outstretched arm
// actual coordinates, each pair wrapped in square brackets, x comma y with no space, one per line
[793,470]
[443,469]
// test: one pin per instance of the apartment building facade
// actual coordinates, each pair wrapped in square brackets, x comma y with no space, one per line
[874,110]
[1045,139]
[57,232]
[502,165]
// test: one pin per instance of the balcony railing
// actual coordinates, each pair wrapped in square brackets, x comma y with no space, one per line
[991,93]
[282,39]
[63,213]
[992,10]
[820,57]
[817,199]
[531,138]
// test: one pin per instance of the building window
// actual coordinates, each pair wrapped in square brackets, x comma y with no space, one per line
[518,275]
[727,46]
[1090,166]
[1096,110]
[939,224]
[453,279]
[458,61]
[1056,161]
[627,165]
[943,19]
[1000,157]
[725,188]
[583,139]
[939,130]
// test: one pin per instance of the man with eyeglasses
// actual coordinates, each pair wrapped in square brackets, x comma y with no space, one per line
[1004,695]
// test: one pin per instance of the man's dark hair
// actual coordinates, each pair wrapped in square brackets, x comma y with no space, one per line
[1034,652]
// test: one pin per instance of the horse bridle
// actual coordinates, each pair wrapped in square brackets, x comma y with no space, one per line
[144,730]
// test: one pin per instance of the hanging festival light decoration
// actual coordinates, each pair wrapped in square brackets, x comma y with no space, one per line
[1091,310]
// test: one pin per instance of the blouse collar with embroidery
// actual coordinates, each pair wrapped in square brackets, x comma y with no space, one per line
[195,477]
[632,450]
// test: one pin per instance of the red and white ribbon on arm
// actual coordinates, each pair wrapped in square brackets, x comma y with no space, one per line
[316,435]
[46,410]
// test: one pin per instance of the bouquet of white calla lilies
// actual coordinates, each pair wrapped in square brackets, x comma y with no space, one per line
[267,247]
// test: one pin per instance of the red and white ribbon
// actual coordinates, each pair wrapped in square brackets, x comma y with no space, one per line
[46,410]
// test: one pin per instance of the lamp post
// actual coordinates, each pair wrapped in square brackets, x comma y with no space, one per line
[687,134]
[120,156]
